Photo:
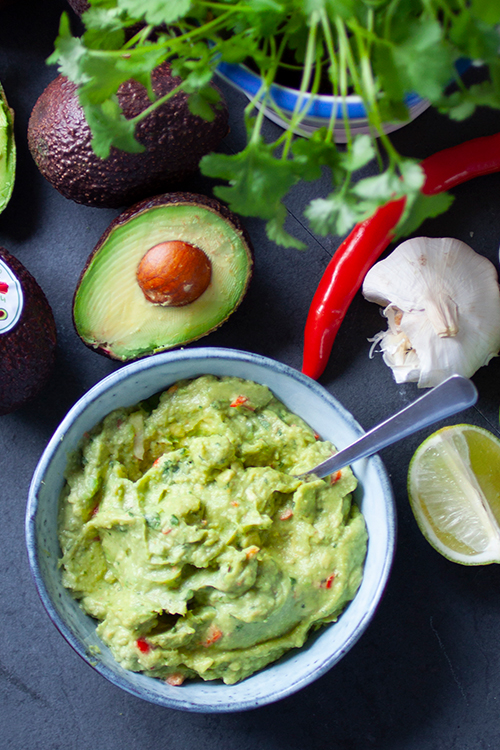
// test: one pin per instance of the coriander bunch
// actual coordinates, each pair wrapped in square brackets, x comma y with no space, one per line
[377,49]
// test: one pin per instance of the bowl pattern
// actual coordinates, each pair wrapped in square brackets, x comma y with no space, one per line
[138,381]
[318,107]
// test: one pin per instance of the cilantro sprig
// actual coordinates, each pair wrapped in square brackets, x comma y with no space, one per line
[377,49]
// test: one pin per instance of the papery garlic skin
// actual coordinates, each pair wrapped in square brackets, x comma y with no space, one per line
[442,303]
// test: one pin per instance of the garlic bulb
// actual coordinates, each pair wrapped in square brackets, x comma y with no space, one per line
[442,303]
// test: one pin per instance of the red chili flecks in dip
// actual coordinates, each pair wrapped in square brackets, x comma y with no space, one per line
[142,645]
[242,401]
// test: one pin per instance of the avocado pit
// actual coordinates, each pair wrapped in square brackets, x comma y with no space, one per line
[174,273]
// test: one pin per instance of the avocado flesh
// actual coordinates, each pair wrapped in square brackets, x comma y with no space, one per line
[7,152]
[110,310]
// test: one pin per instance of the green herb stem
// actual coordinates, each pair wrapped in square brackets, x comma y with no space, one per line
[300,110]
[334,66]
[157,103]
[139,38]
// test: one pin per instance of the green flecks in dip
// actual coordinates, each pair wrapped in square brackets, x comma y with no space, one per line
[185,533]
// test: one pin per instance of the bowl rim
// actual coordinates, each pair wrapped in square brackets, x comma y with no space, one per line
[176,699]
[285,97]
[319,106]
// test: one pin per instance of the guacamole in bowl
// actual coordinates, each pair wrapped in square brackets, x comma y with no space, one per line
[246,537]
[188,535]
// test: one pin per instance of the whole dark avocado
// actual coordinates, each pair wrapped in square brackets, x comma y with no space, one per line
[175,141]
[27,335]
[167,271]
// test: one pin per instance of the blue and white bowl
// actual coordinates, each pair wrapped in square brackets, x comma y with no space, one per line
[318,107]
[313,403]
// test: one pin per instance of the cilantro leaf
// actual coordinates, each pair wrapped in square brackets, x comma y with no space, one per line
[361,152]
[335,214]
[460,105]
[69,52]
[473,37]
[263,17]
[258,180]
[156,12]
[276,232]
[110,128]
[196,74]
[201,103]
[486,11]
[381,187]
[104,28]
[424,59]
[380,48]
[311,154]
[232,50]
[420,208]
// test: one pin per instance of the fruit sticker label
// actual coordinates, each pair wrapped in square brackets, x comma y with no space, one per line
[11,299]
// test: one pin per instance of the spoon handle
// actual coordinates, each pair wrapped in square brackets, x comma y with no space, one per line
[451,396]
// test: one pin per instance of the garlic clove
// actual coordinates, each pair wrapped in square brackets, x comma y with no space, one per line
[442,302]
[443,315]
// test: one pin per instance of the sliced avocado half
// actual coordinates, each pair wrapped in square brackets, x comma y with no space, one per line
[125,312]
[7,151]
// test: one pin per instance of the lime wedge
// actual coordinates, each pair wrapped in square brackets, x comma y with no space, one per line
[454,492]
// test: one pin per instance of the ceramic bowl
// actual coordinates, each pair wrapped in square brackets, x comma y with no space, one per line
[324,413]
[318,107]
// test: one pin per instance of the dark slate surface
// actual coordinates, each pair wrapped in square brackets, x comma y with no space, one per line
[426,674]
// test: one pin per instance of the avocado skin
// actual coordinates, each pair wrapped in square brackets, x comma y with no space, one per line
[27,351]
[175,140]
[168,199]
[79,6]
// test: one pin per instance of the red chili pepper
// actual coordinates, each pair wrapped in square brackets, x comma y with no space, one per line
[452,166]
[367,241]
[342,279]
[4,287]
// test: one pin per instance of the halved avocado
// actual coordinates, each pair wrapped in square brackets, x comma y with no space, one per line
[7,151]
[167,271]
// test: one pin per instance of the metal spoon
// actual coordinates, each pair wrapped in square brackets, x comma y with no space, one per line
[451,396]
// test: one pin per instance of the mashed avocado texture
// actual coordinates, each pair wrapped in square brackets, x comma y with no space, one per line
[186,535]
